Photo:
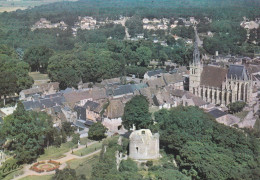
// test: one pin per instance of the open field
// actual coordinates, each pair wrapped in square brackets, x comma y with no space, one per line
[89,149]
[47,177]
[22,4]
[39,78]
[55,153]
[241,114]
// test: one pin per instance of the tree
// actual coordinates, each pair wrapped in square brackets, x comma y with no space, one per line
[97,131]
[67,128]
[236,106]
[144,55]
[65,69]
[14,75]
[128,165]
[136,113]
[38,58]
[67,173]
[134,25]
[26,131]
[75,138]
[8,84]
[189,134]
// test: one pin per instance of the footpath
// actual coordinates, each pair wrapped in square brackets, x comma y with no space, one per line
[67,157]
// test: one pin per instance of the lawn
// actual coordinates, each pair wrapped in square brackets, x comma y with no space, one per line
[56,153]
[83,166]
[89,149]
[13,174]
[85,140]
[241,114]
[47,177]
[39,78]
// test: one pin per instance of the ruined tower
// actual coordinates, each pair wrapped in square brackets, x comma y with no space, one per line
[144,145]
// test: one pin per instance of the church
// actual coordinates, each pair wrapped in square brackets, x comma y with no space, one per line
[219,85]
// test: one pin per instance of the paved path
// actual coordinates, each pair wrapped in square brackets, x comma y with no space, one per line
[68,157]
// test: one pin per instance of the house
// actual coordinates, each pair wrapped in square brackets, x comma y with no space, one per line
[111,82]
[113,115]
[249,25]
[175,80]
[43,89]
[140,36]
[163,99]
[127,89]
[191,100]
[6,111]
[173,26]
[149,27]
[146,21]
[219,115]
[69,114]
[162,26]
[156,83]
[94,110]
[44,104]
[153,74]
[148,93]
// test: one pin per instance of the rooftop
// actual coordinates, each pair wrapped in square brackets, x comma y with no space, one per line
[216,113]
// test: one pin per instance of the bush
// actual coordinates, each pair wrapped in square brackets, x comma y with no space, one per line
[75,138]
[236,106]
[149,163]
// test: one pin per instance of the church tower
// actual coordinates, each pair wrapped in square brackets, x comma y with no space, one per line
[195,71]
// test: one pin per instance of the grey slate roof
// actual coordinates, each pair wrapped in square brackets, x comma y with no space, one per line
[91,105]
[129,88]
[44,103]
[155,72]
[81,112]
[216,113]
[80,124]
[237,72]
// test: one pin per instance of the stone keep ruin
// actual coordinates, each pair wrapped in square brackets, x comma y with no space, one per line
[144,145]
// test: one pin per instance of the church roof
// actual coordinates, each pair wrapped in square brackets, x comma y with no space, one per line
[213,76]
[237,72]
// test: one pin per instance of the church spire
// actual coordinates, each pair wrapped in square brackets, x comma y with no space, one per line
[196,52]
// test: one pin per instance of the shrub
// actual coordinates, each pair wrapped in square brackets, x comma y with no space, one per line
[236,106]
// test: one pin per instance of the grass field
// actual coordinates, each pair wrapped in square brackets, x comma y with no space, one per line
[24,4]
[55,153]
[241,114]
[89,149]
[39,78]
[47,177]
[83,166]
[13,174]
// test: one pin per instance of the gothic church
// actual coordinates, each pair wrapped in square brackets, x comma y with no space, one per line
[219,85]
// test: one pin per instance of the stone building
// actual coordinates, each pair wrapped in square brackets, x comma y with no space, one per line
[219,85]
[144,145]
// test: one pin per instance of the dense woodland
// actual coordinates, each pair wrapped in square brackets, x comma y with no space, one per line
[202,148]
[53,50]
[186,133]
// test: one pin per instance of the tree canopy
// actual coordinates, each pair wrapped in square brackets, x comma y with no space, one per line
[26,132]
[136,113]
[97,131]
[190,134]
[38,58]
